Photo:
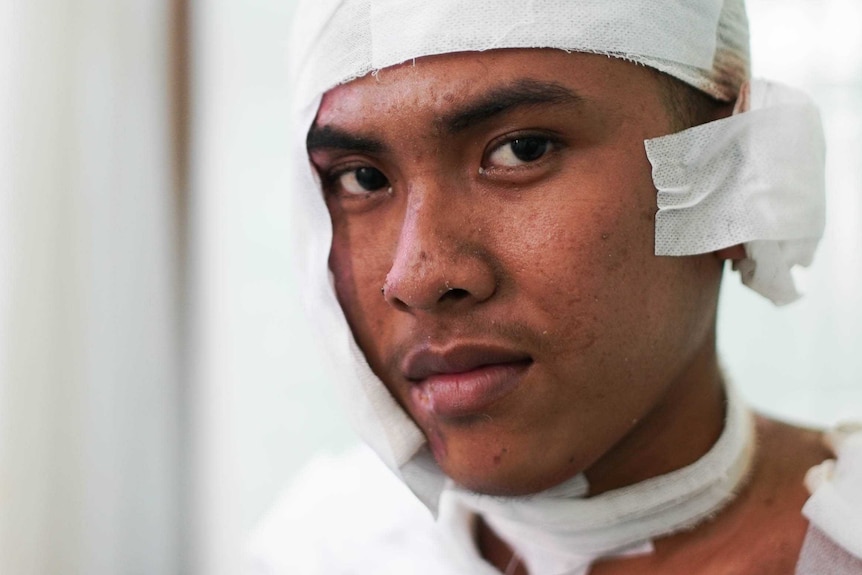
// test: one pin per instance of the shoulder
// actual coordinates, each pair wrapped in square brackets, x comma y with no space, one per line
[762,530]
[806,497]
[344,515]
[835,506]
[769,515]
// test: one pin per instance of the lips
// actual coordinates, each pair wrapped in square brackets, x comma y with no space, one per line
[463,380]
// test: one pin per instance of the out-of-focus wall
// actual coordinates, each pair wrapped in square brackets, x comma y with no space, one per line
[262,404]
[90,442]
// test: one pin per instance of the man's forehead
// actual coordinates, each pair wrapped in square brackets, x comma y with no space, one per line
[446,78]
[448,85]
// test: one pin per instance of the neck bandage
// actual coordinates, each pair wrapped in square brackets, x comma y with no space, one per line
[755,178]
[561,532]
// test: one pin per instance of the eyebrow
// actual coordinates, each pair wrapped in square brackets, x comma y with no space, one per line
[331,138]
[524,92]
[499,100]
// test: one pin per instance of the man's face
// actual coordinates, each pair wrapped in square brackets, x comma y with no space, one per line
[493,220]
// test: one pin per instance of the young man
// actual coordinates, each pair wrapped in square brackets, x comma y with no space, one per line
[525,254]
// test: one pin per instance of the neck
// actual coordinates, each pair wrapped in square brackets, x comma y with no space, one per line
[495,551]
[681,429]
[678,431]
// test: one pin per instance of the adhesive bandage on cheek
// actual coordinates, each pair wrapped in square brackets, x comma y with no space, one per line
[755,178]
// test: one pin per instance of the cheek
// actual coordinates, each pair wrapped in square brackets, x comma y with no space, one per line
[358,279]
[361,256]
[342,266]
[576,251]
[586,265]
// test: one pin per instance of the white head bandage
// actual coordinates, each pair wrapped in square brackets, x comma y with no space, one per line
[755,178]
[702,42]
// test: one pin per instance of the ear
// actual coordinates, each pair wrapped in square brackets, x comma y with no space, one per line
[734,253]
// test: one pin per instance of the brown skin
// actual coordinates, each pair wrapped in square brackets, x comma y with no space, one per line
[550,258]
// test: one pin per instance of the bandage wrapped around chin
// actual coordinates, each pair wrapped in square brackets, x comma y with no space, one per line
[755,178]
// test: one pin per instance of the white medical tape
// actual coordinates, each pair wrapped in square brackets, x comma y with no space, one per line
[702,42]
[684,33]
[835,507]
[755,178]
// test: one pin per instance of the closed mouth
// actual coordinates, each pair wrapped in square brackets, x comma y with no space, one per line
[464,380]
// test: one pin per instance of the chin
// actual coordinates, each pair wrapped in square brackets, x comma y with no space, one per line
[500,470]
[503,483]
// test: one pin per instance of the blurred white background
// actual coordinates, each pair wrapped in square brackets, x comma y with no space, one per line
[157,385]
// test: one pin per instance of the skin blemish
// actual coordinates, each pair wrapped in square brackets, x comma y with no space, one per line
[588,342]
[499,457]
[605,236]
[437,443]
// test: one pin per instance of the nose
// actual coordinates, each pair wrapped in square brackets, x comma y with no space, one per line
[440,263]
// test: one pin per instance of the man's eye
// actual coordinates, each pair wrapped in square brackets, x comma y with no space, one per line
[519,151]
[362,181]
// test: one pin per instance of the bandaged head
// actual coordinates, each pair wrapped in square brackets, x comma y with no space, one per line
[755,178]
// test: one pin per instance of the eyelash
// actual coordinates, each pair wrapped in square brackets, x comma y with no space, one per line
[552,142]
[330,178]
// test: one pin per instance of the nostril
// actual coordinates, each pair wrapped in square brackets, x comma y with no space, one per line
[454,294]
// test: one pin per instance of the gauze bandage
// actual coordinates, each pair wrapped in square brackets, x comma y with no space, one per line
[563,531]
[702,42]
[759,165]
[836,499]
[755,178]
